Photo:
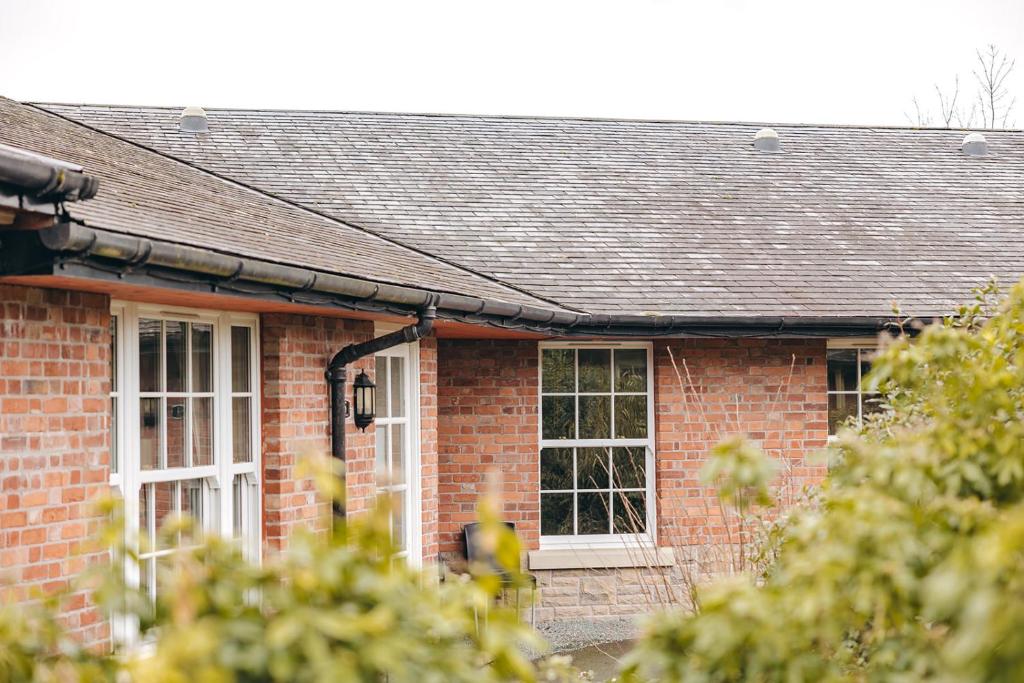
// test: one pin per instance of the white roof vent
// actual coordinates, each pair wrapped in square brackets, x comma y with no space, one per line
[766,140]
[974,145]
[193,120]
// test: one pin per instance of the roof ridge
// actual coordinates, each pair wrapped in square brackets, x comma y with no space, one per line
[537,117]
[302,207]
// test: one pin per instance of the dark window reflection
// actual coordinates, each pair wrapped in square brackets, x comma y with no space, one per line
[593,513]
[556,514]
[556,469]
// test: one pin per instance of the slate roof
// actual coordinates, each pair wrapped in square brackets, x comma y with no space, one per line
[634,216]
[146,194]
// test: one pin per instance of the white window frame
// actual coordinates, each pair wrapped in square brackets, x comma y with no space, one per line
[414,481]
[650,536]
[219,476]
[862,345]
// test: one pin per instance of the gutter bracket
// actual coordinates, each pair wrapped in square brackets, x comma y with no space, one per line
[230,278]
[140,258]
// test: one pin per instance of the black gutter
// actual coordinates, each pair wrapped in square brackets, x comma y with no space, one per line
[71,244]
[42,179]
[337,371]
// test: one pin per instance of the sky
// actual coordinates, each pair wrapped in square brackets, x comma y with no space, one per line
[782,61]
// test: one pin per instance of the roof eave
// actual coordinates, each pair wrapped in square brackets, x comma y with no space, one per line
[66,243]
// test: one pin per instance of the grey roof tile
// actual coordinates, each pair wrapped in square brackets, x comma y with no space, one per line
[150,195]
[620,216]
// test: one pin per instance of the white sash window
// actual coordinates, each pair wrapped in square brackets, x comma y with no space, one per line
[596,444]
[847,362]
[185,429]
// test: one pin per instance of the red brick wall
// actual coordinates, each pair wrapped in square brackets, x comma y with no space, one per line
[55,446]
[54,443]
[487,422]
[295,352]
[428,447]
[773,390]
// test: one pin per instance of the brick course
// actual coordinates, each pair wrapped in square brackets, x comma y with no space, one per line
[487,422]
[54,444]
[772,390]
[428,448]
[295,352]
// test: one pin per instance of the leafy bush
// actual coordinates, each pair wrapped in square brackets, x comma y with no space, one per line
[334,608]
[910,564]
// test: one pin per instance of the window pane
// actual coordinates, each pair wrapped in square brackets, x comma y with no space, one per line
[241,429]
[631,417]
[865,364]
[241,364]
[595,369]
[149,433]
[149,355]
[398,520]
[175,332]
[114,454]
[202,431]
[559,417]
[176,422]
[558,369]
[556,514]
[202,357]
[556,469]
[592,468]
[840,407]
[145,530]
[381,464]
[871,403]
[146,580]
[630,369]
[842,369]
[595,417]
[113,353]
[397,393]
[630,512]
[113,389]
[381,380]
[236,505]
[593,513]
[164,505]
[397,454]
[191,504]
[630,465]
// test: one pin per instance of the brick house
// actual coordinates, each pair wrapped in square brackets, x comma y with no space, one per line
[611,298]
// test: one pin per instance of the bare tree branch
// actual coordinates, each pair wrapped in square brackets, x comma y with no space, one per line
[921,118]
[992,103]
[993,68]
[947,105]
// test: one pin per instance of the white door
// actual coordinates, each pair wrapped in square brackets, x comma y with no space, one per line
[397,428]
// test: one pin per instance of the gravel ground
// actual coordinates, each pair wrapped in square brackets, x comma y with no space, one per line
[572,634]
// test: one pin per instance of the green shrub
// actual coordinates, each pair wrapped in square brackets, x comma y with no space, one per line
[910,564]
[333,607]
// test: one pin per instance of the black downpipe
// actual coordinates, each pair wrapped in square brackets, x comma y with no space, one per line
[337,371]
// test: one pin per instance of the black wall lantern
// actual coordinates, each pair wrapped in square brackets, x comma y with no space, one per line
[364,400]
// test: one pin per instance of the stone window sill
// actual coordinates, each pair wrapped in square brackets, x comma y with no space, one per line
[600,558]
